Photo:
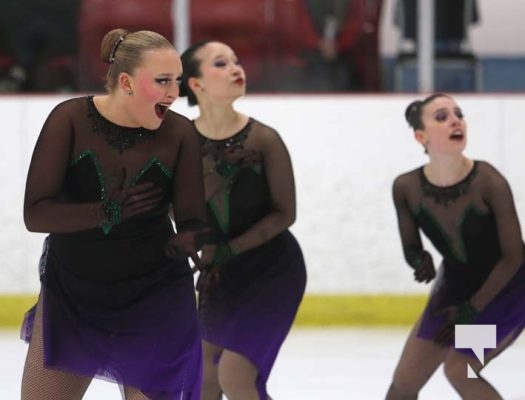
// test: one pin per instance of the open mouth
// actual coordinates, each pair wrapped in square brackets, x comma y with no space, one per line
[161,109]
[457,135]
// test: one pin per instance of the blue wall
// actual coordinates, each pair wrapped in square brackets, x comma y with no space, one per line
[499,74]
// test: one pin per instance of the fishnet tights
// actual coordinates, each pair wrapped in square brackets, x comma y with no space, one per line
[40,383]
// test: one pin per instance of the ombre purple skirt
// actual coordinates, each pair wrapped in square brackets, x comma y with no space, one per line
[252,307]
[506,310]
[142,333]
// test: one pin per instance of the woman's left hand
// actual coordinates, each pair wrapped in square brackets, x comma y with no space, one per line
[213,259]
[206,258]
[445,334]
[455,315]
[237,155]
[209,273]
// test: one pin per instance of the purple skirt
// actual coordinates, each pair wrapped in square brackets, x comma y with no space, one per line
[506,310]
[142,333]
[251,309]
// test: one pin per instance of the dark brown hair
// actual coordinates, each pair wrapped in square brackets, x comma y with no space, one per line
[191,68]
[415,109]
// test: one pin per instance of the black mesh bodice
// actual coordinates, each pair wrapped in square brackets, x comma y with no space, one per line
[80,159]
[251,202]
[472,224]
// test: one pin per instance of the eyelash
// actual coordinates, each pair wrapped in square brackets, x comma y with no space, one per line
[168,81]
[222,64]
[163,81]
[443,117]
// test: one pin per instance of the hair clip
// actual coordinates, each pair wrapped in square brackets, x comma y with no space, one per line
[114,49]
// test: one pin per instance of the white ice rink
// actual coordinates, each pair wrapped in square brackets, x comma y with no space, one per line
[321,364]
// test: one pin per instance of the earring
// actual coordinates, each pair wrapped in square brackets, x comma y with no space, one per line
[130,92]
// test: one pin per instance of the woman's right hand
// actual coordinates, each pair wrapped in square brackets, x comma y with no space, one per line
[125,202]
[425,272]
[132,200]
[137,199]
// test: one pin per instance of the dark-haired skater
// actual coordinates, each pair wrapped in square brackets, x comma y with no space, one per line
[465,207]
[254,273]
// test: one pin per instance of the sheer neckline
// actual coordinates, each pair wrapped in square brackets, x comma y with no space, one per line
[215,148]
[231,138]
[447,194]
[117,136]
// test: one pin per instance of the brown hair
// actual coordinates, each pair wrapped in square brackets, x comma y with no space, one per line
[415,109]
[123,51]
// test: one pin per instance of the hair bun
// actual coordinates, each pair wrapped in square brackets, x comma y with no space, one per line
[412,113]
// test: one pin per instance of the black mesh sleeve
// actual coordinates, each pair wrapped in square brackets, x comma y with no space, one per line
[43,209]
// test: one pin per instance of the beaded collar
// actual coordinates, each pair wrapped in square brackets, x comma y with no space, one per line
[215,148]
[118,137]
[445,195]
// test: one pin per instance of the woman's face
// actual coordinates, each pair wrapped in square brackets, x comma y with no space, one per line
[445,130]
[155,85]
[222,76]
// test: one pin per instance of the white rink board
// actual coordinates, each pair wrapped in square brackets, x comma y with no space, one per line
[346,151]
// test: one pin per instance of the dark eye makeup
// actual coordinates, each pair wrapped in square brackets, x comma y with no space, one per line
[442,115]
[163,81]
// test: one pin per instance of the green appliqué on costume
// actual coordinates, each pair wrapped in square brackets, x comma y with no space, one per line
[257,168]
[222,219]
[96,163]
[154,161]
[459,253]
[108,225]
